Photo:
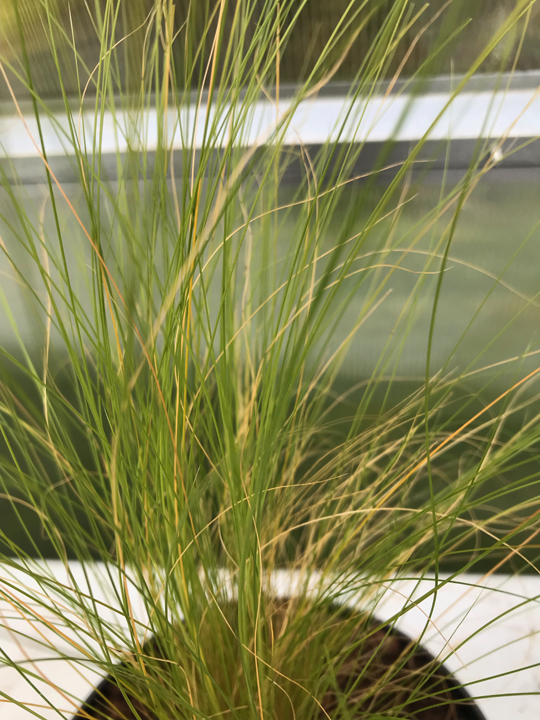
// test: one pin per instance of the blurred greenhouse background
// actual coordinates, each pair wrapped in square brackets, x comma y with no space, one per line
[498,217]
[317,21]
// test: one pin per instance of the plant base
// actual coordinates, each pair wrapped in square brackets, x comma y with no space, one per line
[423,688]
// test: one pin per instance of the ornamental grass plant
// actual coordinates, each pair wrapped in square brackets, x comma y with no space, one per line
[178,416]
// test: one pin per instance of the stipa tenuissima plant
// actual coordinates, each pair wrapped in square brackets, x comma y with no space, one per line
[179,410]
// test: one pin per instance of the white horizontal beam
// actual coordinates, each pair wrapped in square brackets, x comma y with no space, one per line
[402,117]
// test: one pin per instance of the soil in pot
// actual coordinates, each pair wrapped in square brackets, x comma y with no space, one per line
[385,674]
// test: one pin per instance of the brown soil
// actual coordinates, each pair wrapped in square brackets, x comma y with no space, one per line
[419,686]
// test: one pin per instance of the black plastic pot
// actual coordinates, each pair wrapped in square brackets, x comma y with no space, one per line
[465,706]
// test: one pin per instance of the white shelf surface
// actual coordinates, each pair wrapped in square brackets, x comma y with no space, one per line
[486,629]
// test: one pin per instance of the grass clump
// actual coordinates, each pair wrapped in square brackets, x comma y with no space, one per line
[177,412]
